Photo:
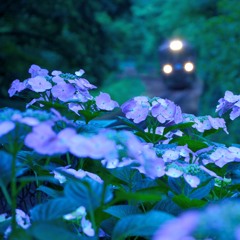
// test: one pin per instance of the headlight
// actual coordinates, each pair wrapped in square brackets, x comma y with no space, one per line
[167,68]
[176,45]
[188,66]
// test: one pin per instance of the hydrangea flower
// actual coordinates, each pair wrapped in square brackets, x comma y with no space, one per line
[83,146]
[104,102]
[45,141]
[204,123]
[179,228]
[35,70]
[39,84]
[222,156]
[80,213]
[136,108]
[174,172]
[229,102]
[166,111]
[76,173]
[6,127]
[217,221]
[82,84]
[16,86]
[63,91]
[22,220]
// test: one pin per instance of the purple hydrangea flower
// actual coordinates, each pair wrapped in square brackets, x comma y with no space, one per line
[104,102]
[87,227]
[79,73]
[76,173]
[173,172]
[82,84]
[35,70]
[217,123]
[6,127]
[80,146]
[193,181]
[63,91]
[222,156]
[45,141]
[75,107]
[78,213]
[235,111]
[16,86]
[180,228]
[39,84]
[102,147]
[230,101]
[166,111]
[136,109]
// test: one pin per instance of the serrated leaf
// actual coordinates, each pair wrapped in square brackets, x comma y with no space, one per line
[53,209]
[120,211]
[140,225]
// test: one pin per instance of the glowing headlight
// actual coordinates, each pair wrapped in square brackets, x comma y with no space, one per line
[167,68]
[188,66]
[176,45]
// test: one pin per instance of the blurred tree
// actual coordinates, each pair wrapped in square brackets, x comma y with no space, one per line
[63,35]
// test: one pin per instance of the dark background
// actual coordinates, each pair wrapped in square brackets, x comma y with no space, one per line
[111,39]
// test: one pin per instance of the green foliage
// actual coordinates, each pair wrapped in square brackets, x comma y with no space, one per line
[139,224]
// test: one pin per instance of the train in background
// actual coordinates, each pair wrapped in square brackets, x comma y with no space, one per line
[178,74]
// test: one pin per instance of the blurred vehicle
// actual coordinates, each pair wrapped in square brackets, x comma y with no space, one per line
[177,63]
[179,79]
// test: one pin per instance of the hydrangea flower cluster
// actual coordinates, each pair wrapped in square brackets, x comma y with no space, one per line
[164,110]
[66,88]
[10,119]
[203,123]
[92,177]
[229,102]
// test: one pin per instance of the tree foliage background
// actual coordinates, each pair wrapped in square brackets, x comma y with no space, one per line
[98,35]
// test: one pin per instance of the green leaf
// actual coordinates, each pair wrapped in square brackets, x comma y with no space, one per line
[179,126]
[5,167]
[140,225]
[87,193]
[48,230]
[89,115]
[120,211]
[131,177]
[141,196]
[150,137]
[185,202]
[53,209]
[50,192]
[193,144]
[131,124]
[203,190]
[167,205]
